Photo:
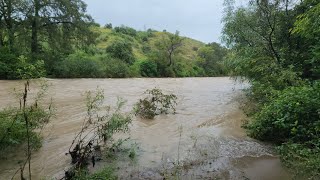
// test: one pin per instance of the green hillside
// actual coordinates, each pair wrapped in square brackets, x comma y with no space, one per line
[149,50]
[108,36]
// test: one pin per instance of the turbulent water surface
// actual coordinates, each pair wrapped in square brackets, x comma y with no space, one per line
[204,136]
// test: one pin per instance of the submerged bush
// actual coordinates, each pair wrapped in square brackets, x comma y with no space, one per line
[19,125]
[155,103]
[99,126]
[294,114]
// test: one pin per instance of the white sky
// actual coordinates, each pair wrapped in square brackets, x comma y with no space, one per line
[198,19]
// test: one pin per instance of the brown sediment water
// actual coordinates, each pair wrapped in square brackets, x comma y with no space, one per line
[205,134]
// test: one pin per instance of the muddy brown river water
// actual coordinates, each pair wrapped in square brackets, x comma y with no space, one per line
[205,134]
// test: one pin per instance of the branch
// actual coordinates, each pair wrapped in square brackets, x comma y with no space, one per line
[58,22]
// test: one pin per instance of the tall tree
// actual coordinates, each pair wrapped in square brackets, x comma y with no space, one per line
[171,44]
[59,17]
[264,29]
[8,17]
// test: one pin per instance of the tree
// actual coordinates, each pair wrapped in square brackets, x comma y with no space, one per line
[308,26]
[44,30]
[60,17]
[171,44]
[121,49]
[264,29]
[36,22]
[211,59]
[9,14]
[108,26]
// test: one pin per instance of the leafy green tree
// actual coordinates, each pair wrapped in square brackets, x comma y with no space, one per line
[264,28]
[60,18]
[115,68]
[121,49]
[211,59]
[126,30]
[308,26]
[108,26]
[171,44]
[148,68]
[44,29]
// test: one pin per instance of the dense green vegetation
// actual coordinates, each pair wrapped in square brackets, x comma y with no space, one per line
[124,52]
[275,46]
[71,45]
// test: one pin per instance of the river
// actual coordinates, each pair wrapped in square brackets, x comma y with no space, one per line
[205,133]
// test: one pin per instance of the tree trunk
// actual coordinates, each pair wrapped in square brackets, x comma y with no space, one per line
[9,24]
[34,28]
[1,34]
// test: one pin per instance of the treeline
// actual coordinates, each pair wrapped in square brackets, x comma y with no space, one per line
[275,46]
[63,38]
[123,52]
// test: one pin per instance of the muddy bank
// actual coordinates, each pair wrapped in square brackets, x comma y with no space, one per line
[205,135]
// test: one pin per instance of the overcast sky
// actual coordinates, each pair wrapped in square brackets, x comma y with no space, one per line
[198,19]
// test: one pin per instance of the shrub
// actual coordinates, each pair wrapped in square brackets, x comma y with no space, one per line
[7,62]
[99,126]
[13,67]
[126,30]
[294,114]
[79,65]
[115,68]
[108,26]
[148,68]
[122,50]
[13,122]
[134,70]
[146,48]
[145,35]
[26,70]
[155,103]
[303,161]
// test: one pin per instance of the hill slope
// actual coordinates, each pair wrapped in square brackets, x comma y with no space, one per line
[141,39]
[122,52]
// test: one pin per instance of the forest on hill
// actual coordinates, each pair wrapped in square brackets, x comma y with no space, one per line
[64,41]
